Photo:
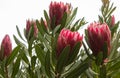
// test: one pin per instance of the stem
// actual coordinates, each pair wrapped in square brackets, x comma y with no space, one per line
[6,72]
[102,71]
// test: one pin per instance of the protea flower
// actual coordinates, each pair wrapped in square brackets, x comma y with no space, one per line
[56,11]
[67,37]
[6,47]
[98,36]
[28,26]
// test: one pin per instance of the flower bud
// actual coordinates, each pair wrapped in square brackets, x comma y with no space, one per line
[28,26]
[105,2]
[6,47]
[67,37]
[112,20]
[98,35]
[56,11]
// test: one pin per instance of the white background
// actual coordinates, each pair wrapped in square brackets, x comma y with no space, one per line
[16,12]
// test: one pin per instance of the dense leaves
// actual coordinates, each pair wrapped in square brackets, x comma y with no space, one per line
[36,52]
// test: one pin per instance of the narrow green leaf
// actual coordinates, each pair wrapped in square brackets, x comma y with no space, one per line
[56,29]
[40,54]
[87,52]
[33,62]
[81,24]
[30,33]
[44,41]
[100,19]
[105,50]
[74,53]
[18,31]
[13,55]
[78,71]
[115,66]
[63,21]
[108,15]
[106,8]
[103,71]
[24,56]
[47,18]
[114,46]
[53,44]
[16,67]
[43,25]
[62,59]
[40,29]
[72,17]
[75,24]
[48,65]
[99,59]
[1,73]
[18,42]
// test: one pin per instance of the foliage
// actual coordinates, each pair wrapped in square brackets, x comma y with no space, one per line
[35,57]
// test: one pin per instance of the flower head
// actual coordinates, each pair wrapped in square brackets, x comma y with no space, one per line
[98,35]
[56,11]
[6,46]
[67,37]
[28,26]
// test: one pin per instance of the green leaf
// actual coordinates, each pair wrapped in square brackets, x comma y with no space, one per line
[48,65]
[40,28]
[114,28]
[63,21]
[76,23]
[18,42]
[47,18]
[101,19]
[81,23]
[62,59]
[33,62]
[78,71]
[115,66]
[105,50]
[43,25]
[40,54]
[23,55]
[54,47]
[114,46]
[56,29]
[71,18]
[44,42]
[110,12]
[16,67]
[87,52]
[13,55]
[30,34]
[18,31]
[99,58]
[103,72]
[74,53]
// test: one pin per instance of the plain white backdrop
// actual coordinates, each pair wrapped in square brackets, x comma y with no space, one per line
[16,12]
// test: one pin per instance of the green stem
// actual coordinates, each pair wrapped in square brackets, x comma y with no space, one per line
[102,71]
[6,72]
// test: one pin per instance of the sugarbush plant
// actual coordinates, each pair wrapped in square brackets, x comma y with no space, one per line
[52,47]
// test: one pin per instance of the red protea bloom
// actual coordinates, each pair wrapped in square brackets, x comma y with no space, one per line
[112,20]
[98,35]
[56,11]
[6,45]
[28,26]
[66,37]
